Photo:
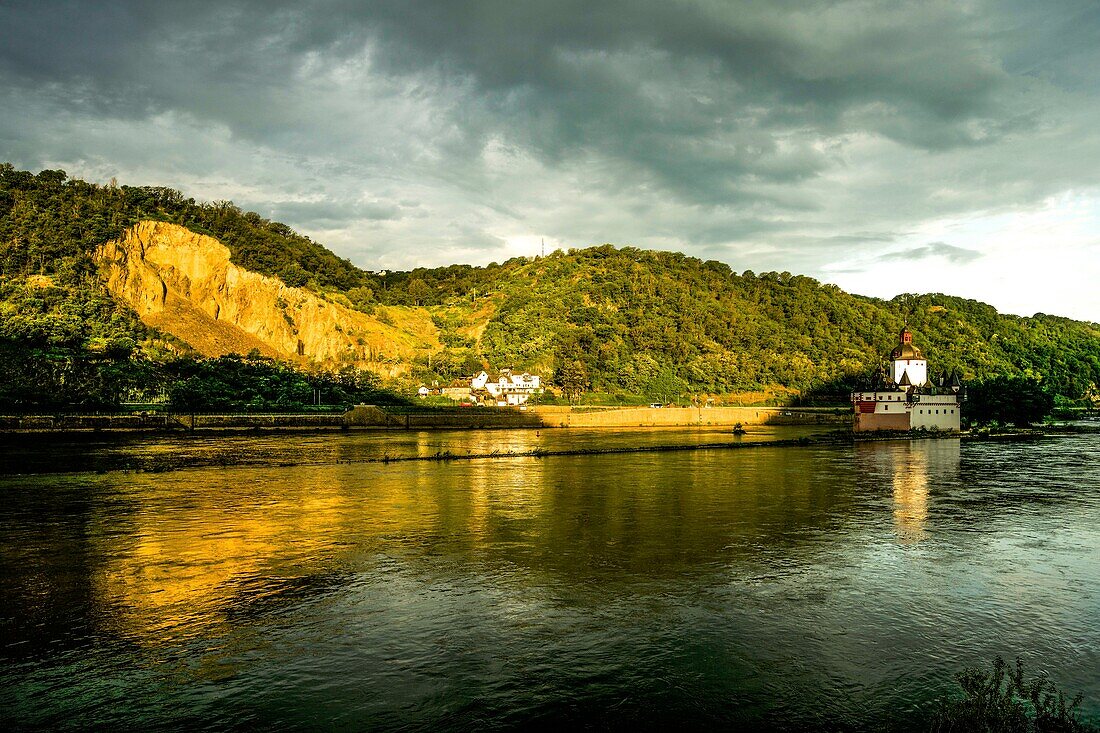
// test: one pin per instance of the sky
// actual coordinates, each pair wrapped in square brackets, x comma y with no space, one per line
[886,147]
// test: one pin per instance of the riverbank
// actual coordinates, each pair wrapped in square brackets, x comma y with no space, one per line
[168,423]
[390,418]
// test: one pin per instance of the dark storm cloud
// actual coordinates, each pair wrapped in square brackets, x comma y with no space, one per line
[789,132]
[703,97]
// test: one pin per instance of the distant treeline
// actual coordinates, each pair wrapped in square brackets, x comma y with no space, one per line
[63,378]
[620,321]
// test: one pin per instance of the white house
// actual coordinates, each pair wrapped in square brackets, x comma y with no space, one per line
[508,389]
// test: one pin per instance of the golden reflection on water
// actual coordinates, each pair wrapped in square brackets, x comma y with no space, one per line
[910,482]
[175,570]
[198,548]
[913,466]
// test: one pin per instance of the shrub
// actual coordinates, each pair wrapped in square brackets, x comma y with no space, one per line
[1003,701]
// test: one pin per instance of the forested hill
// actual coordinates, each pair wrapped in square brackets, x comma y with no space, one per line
[661,323]
[622,321]
[50,223]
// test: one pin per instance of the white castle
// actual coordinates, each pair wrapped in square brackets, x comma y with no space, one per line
[901,397]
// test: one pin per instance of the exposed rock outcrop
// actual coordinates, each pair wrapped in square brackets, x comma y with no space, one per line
[183,283]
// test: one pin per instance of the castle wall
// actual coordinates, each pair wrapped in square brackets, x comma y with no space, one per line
[936,412]
[884,401]
[871,421]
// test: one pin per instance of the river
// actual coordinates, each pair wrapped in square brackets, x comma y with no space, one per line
[282,582]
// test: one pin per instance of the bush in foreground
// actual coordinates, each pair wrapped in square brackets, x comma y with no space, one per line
[1003,701]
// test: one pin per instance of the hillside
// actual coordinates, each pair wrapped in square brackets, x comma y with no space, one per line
[656,322]
[145,273]
[184,284]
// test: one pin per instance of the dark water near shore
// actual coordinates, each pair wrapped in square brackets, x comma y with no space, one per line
[31,453]
[836,587]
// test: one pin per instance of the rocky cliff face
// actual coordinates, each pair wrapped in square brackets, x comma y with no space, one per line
[184,284]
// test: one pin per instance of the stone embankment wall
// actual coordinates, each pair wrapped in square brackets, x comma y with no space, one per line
[549,416]
[567,417]
[370,416]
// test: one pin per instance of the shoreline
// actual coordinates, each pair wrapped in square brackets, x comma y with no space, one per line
[373,417]
[828,439]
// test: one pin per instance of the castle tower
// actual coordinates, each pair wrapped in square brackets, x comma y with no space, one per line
[907,360]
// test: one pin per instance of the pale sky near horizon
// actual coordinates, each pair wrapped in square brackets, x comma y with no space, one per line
[886,147]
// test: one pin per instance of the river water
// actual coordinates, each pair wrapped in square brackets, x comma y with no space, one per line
[297,587]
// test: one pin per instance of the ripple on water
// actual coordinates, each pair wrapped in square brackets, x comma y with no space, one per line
[785,587]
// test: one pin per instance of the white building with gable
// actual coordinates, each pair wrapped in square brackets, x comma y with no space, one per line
[508,389]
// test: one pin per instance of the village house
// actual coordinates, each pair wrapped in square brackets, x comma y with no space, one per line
[507,390]
[458,390]
[901,397]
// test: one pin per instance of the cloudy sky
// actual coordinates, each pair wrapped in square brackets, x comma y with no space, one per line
[884,146]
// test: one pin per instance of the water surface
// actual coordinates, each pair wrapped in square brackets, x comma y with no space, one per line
[837,587]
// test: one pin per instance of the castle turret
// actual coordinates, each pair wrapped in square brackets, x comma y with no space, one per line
[907,360]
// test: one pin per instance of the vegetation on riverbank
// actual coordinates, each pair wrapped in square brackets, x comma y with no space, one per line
[1005,700]
[1008,400]
[63,377]
[636,325]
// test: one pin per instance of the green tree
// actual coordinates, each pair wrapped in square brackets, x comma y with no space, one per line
[418,291]
[1017,400]
[573,379]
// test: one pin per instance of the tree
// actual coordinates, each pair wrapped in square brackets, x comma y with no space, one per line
[573,379]
[665,385]
[294,275]
[1004,699]
[1017,400]
[418,291]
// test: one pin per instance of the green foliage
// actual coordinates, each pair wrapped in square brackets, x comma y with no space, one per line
[51,377]
[619,321]
[257,384]
[50,224]
[1004,701]
[1019,400]
[362,299]
[68,345]
[614,318]
[573,378]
